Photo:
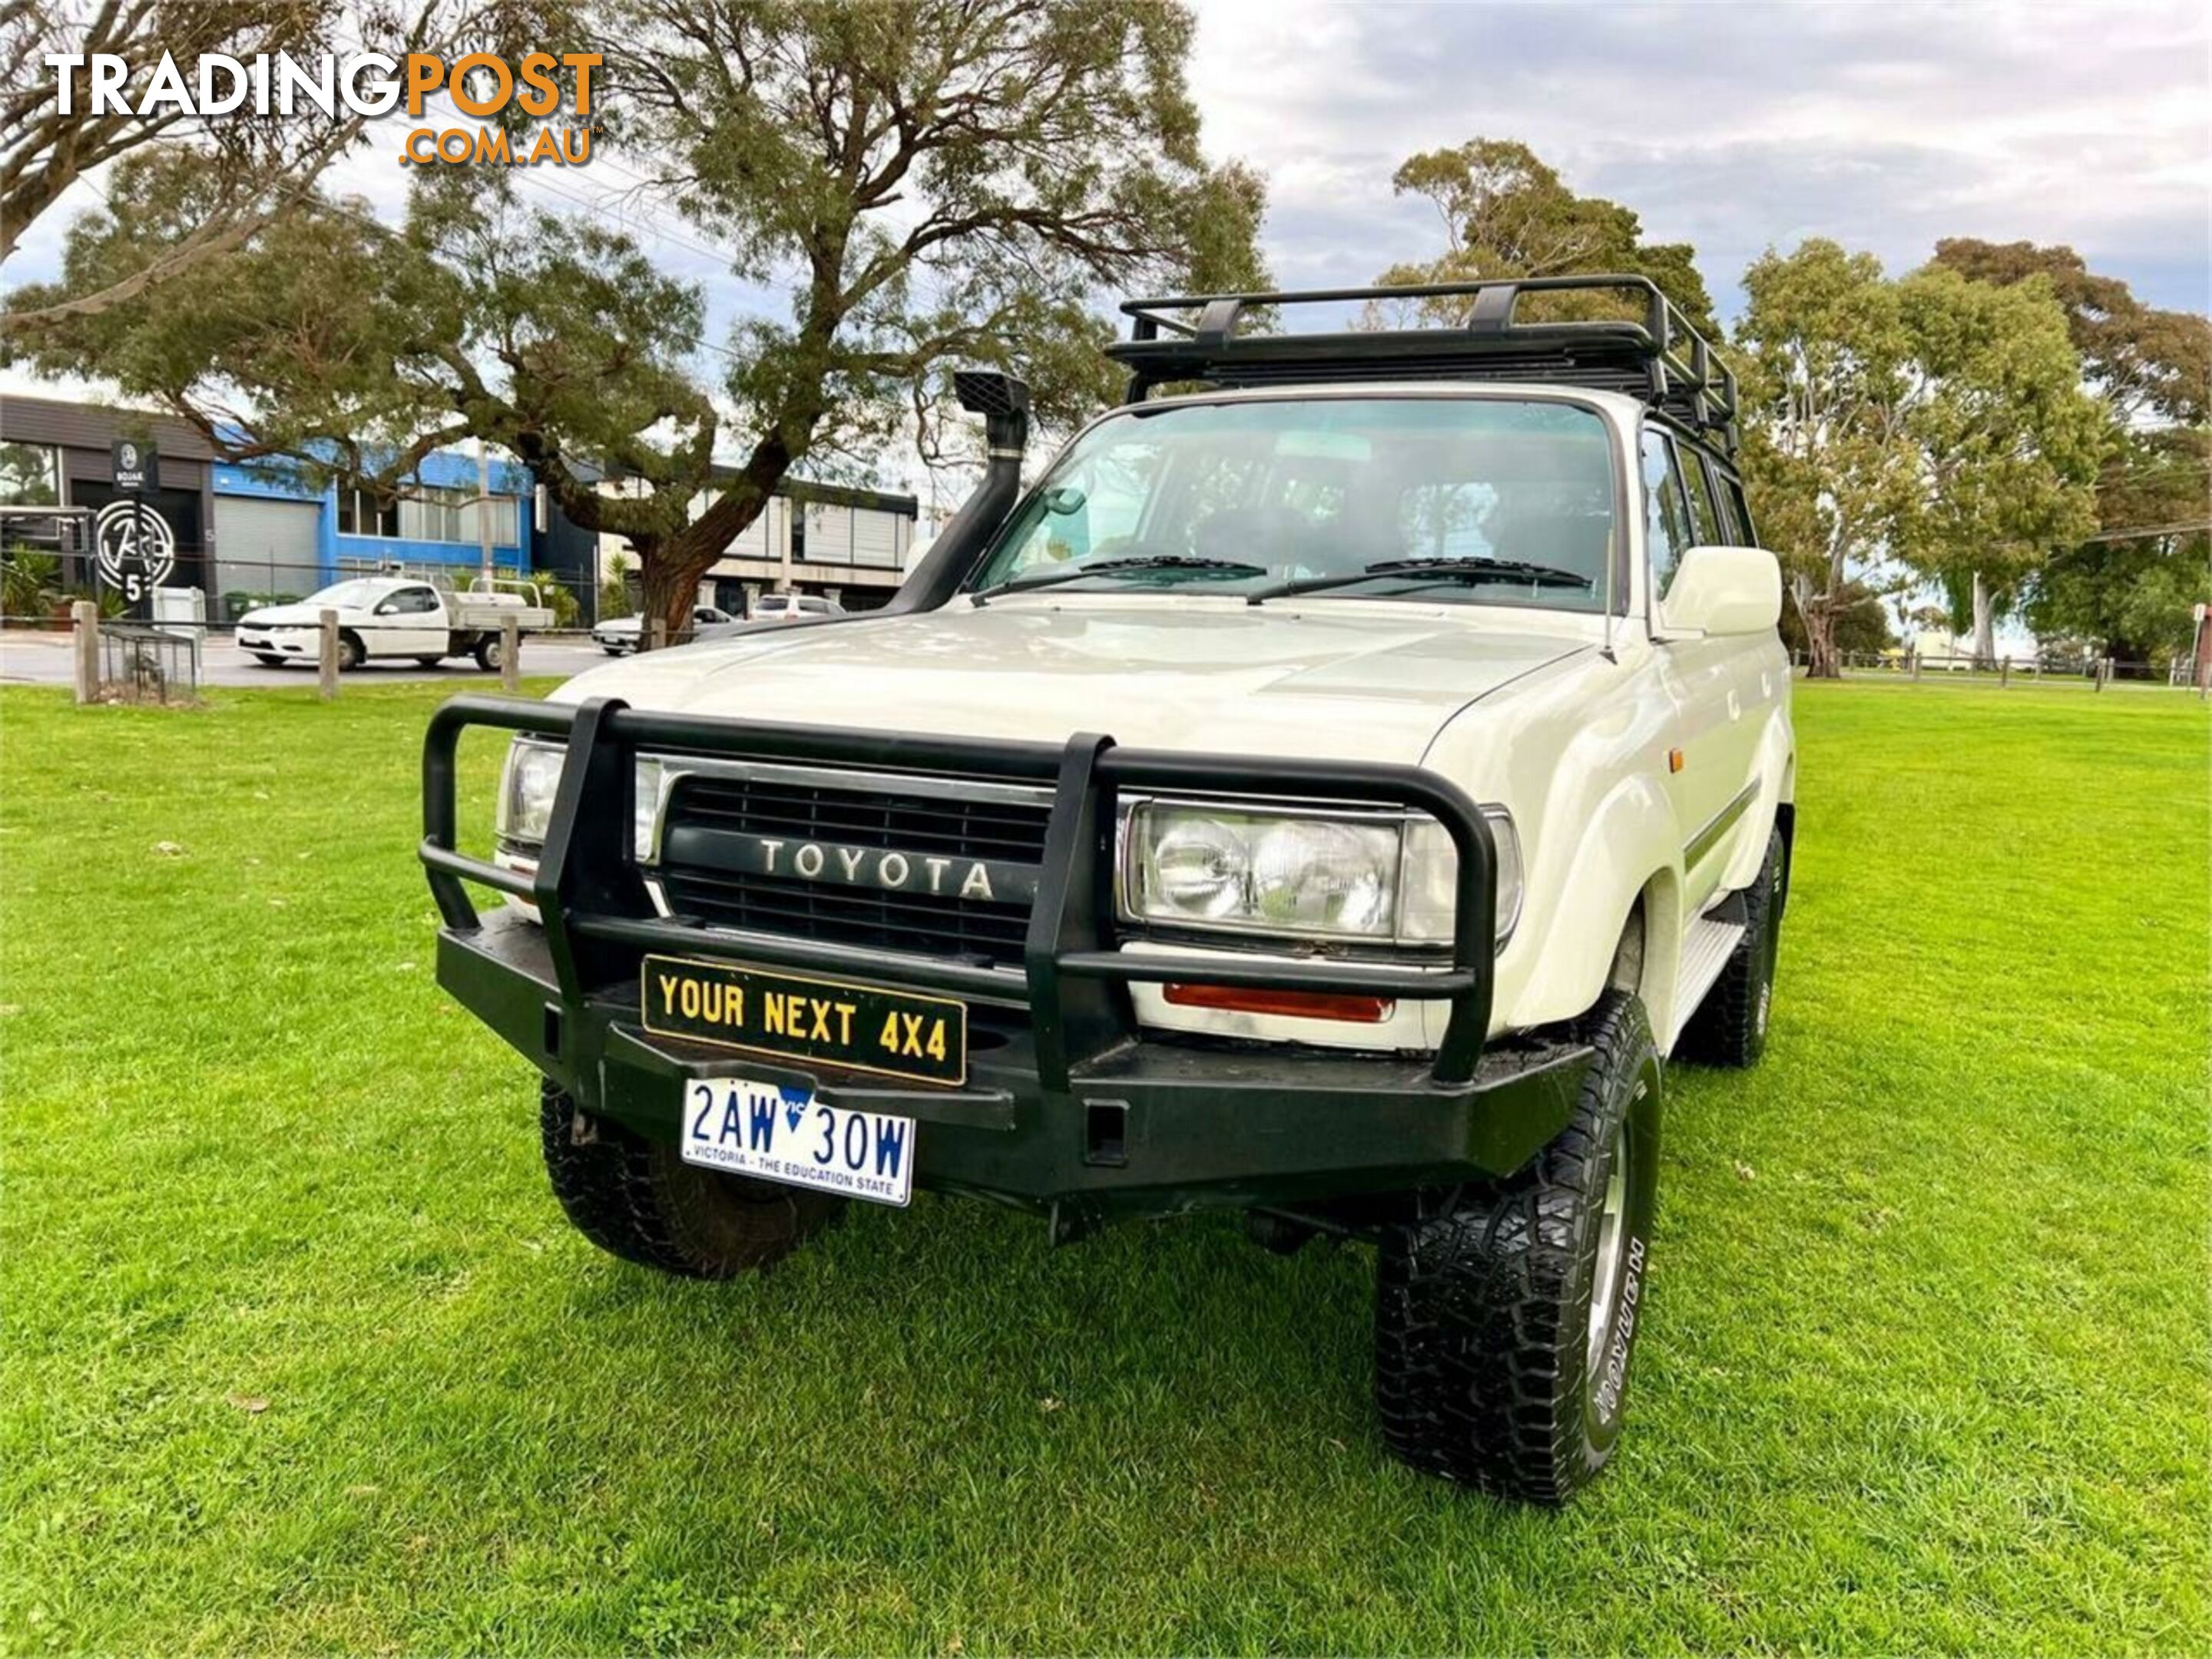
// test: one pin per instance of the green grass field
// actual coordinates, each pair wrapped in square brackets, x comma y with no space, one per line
[300,1355]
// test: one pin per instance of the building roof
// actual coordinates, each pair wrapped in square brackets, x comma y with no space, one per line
[96,426]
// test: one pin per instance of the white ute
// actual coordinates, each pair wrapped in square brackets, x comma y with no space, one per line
[382,616]
[1336,793]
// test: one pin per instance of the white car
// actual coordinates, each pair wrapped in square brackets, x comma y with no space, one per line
[385,616]
[1335,795]
[791,607]
[618,635]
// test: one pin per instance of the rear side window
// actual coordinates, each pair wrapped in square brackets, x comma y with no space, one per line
[1736,517]
[1665,515]
[1705,520]
[814,607]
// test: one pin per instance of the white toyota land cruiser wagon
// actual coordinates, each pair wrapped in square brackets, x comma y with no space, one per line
[1336,791]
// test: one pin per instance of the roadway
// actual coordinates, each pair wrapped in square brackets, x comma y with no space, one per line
[39,658]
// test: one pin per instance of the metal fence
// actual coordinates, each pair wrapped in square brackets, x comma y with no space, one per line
[140,663]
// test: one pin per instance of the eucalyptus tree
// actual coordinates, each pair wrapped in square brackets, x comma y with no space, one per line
[912,183]
[1505,212]
[1926,430]
[255,167]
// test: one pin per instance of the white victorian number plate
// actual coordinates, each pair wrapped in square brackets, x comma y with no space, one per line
[776,1133]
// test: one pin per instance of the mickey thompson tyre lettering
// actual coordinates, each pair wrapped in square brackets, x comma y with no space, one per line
[1506,1318]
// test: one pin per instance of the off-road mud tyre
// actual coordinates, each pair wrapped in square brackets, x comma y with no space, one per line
[352,654]
[638,1199]
[1730,1027]
[1489,1368]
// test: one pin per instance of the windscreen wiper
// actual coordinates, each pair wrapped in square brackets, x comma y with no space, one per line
[1471,569]
[1121,567]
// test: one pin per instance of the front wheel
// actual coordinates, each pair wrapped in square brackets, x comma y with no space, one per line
[1506,1314]
[637,1199]
[352,654]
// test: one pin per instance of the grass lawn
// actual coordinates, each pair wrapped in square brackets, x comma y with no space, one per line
[300,1355]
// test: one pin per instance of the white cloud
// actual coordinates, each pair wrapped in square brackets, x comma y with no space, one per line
[1734,125]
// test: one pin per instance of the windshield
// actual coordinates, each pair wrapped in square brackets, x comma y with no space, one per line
[1242,497]
[347,596]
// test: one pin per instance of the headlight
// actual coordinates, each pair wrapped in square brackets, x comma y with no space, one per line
[533,773]
[525,790]
[645,806]
[1373,876]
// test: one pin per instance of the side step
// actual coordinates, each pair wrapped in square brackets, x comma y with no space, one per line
[1708,942]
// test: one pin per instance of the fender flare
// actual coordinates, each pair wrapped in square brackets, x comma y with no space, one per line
[1629,850]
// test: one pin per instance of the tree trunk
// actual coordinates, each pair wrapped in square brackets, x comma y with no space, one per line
[672,568]
[1818,611]
[1985,631]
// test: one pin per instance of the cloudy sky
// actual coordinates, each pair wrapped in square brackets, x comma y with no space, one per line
[1734,127]
[1731,126]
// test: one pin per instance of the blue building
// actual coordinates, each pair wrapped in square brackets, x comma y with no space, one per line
[276,535]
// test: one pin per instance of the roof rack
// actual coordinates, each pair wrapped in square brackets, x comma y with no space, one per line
[1661,359]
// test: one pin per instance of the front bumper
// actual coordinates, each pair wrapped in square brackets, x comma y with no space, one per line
[1153,1128]
[278,641]
[1069,1106]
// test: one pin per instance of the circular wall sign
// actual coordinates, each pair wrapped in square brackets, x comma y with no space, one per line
[115,535]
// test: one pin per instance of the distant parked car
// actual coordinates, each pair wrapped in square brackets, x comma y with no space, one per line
[390,616]
[618,635]
[790,607]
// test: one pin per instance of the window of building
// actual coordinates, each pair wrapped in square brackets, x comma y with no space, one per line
[428,514]
[30,476]
[435,514]
[364,513]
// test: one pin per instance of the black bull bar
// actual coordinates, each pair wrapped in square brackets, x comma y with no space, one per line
[598,920]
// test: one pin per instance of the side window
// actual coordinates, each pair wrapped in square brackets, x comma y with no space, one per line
[1734,513]
[1666,517]
[1092,512]
[1705,522]
[414,601]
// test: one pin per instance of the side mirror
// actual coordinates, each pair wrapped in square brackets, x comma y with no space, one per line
[1724,590]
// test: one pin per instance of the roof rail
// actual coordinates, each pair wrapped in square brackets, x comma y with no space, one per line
[1660,358]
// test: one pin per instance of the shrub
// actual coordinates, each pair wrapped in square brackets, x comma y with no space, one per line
[30,582]
[562,602]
